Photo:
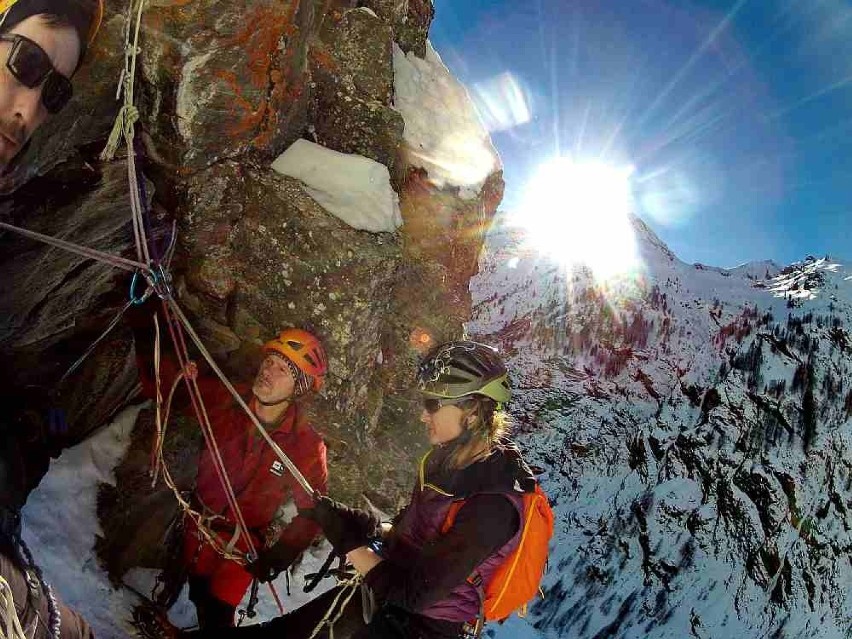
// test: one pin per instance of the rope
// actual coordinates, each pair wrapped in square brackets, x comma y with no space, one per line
[94,344]
[11,628]
[124,125]
[53,614]
[84,251]
[136,203]
[280,453]
[199,518]
[206,429]
[128,114]
[350,584]
[275,594]
[159,463]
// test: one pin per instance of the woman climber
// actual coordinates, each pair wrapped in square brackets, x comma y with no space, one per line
[427,575]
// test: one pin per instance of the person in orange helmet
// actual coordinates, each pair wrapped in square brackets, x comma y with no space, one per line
[294,366]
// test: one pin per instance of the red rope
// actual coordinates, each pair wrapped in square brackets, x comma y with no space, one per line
[276,597]
[206,429]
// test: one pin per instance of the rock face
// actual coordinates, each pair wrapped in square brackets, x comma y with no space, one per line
[695,424]
[223,88]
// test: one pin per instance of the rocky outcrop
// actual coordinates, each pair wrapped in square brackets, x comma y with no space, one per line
[409,19]
[224,88]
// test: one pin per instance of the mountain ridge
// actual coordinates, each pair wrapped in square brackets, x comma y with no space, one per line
[695,424]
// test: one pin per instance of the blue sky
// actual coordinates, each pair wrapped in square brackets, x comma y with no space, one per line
[736,115]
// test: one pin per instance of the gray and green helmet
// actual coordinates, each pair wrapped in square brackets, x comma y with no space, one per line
[458,369]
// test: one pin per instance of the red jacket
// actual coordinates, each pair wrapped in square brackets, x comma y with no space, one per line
[261,483]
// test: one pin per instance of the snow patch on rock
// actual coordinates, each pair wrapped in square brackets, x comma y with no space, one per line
[353,188]
[443,132]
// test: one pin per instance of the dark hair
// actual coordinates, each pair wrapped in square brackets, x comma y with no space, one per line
[55,20]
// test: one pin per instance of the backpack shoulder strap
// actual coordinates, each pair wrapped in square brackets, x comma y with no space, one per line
[450,519]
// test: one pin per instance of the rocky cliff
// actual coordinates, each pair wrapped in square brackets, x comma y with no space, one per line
[222,90]
[695,424]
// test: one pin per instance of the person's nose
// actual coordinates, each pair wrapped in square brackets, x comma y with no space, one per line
[29,111]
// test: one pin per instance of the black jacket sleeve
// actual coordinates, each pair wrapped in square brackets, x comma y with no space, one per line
[482,526]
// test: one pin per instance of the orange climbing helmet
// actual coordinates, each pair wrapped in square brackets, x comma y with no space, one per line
[304,350]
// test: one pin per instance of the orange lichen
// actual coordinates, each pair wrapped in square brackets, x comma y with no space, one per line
[246,116]
[323,59]
[263,29]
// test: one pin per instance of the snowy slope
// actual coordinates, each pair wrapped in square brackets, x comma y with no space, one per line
[695,426]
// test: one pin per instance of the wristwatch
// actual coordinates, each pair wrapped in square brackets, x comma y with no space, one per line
[377,545]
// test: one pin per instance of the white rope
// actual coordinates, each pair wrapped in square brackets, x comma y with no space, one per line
[11,626]
[352,586]
[84,251]
[128,114]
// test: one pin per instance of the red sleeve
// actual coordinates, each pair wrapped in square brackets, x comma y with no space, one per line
[301,531]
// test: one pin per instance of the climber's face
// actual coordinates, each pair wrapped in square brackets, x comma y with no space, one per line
[274,382]
[444,423]
[36,62]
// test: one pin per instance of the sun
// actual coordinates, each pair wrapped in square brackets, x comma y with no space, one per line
[578,213]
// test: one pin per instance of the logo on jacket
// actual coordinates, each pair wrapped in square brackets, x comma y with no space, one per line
[277,468]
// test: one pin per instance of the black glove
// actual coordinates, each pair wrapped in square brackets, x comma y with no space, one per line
[271,561]
[345,528]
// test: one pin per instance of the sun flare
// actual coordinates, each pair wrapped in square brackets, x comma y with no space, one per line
[578,213]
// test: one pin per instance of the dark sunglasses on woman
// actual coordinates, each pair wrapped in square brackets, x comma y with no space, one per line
[434,404]
[31,66]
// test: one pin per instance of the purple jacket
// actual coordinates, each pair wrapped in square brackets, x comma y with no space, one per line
[421,522]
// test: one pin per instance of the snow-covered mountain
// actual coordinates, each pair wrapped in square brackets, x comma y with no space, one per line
[695,424]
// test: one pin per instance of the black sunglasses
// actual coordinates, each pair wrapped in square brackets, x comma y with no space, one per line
[433,404]
[31,66]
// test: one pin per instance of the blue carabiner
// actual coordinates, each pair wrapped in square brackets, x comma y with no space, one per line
[136,301]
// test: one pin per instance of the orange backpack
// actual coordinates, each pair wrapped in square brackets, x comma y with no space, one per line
[515,582]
